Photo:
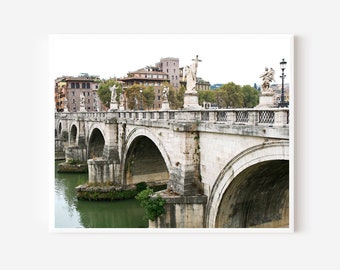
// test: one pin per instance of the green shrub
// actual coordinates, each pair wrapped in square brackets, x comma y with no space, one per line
[154,206]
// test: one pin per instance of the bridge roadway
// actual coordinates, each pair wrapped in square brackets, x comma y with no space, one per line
[223,168]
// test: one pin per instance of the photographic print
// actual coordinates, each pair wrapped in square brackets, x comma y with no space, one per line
[176,132]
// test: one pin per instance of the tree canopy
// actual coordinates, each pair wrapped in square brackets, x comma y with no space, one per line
[231,95]
[104,92]
[250,96]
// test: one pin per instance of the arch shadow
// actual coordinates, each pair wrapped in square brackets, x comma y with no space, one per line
[144,158]
[252,190]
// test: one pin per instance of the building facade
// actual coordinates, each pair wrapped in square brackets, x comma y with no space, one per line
[148,76]
[69,90]
[170,66]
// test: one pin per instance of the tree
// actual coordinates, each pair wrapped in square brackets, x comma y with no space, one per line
[207,96]
[153,205]
[148,96]
[250,96]
[176,97]
[104,92]
[133,96]
[229,96]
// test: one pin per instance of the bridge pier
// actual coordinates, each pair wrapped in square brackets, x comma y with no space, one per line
[60,142]
[185,175]
[76,151]
[181,212]
[101,170]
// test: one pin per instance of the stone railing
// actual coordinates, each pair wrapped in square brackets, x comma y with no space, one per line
[268,117]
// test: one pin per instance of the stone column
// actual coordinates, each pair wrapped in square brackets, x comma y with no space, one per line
[107,168]
[185,175]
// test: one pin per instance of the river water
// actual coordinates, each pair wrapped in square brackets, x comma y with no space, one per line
[73,213]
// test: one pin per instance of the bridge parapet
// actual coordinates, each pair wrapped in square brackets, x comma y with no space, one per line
[275,117]
[254,117]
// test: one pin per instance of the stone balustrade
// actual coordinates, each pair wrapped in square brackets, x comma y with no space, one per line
[252,117]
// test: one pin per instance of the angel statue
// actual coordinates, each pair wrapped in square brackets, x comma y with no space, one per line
[113,93]
[267,77]
[190,73]
[165,93]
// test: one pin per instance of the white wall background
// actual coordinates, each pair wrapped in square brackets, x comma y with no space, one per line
[27,129]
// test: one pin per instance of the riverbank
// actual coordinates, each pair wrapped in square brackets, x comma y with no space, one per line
[112,192]
[72,167]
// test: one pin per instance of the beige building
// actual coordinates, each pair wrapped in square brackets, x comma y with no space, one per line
[148,76]
[170,66]
[69,90]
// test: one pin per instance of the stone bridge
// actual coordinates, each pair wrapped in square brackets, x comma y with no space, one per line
[223,168]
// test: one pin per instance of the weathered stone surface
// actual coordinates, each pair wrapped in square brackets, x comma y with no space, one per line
[72,168]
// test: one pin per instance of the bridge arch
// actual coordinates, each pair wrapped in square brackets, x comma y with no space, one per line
[145,158]
[252,190]
[73,134]
[96,143]
[60,127]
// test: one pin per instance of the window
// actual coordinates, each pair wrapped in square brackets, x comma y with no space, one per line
[73,85]
[88,85]
[83,85]
[77,85]
[72,93]
[73,101]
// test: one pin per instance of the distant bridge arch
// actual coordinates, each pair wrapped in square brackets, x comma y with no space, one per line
[74,133]
[96,142]
[145,158]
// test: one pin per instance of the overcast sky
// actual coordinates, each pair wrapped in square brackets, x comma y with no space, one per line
[225,58]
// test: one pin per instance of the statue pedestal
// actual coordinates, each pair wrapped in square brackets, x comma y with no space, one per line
[165,106]
[113,106]
[82,108]
[191,102]
[266,100]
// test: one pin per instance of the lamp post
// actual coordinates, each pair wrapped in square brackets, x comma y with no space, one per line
[141,99]
[282,103]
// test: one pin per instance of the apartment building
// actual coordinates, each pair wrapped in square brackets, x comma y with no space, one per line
[69,90]
[148,76]
[170,66]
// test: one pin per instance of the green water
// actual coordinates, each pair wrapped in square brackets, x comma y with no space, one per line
[73,213]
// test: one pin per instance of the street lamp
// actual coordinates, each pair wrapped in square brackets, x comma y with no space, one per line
[283,65]
[141,99]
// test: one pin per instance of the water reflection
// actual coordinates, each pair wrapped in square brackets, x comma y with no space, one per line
[71,213]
